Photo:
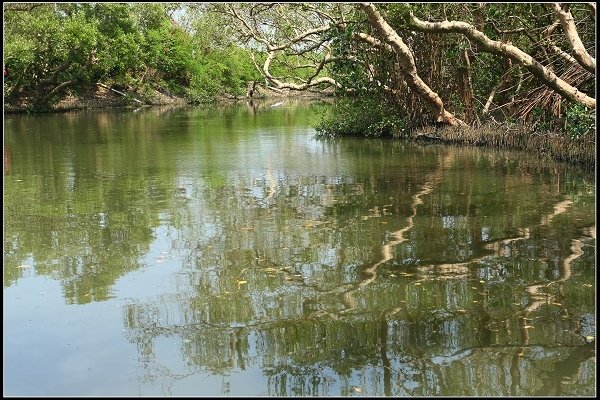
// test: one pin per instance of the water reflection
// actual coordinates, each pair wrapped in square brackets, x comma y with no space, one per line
[322,267]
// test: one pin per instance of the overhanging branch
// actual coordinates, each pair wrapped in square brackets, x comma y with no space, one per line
[548,77]
[579,52]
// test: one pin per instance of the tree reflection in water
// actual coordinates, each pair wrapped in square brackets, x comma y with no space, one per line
[323,267]
[318,314]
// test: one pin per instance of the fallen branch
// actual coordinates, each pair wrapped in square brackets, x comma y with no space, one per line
[56,90]
[116,91]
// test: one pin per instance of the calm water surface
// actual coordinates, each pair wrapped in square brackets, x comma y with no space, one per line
[229,252]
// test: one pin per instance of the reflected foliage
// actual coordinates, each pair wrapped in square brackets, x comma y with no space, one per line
[329,266]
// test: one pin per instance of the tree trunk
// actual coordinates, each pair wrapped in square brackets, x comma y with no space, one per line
[548,77]
[57,89]
[251,89]
[579,52]
[409,69]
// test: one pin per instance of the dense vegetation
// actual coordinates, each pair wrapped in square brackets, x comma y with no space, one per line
[397,67]
[50,49]
[476,84]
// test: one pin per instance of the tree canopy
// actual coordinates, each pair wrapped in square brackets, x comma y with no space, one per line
[53,48]
[452,64]
[461,61]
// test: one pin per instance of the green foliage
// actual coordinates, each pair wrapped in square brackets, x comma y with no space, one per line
[464,75]
[579,121]
[361,117]
[221,71]
[139,47]
[129,46]
[205,83]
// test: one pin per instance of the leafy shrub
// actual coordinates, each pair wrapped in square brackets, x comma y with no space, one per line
[361,117]
[579,121]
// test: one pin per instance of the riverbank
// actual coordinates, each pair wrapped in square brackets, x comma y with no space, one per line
[99,97]
[558,146]
[105,97]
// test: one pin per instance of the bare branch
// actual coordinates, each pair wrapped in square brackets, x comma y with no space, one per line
[286,85]
[555,49]
[563,54]
[308,38]
[579,52]
[370,40]
[298,38]
[506,50]
[502,82]
[549,30]
[248,30]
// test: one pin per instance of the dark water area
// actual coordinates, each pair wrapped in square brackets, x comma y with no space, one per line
[228,252]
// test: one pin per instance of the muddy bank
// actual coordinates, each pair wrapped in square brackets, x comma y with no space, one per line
[98,97]
[106,97]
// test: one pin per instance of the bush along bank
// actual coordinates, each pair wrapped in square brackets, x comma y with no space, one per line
[66,55]
[570,138]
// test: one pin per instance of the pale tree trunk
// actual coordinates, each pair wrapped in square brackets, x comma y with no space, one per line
[503,81]
[409,69]
[579,52]
[294,86]
[548,77]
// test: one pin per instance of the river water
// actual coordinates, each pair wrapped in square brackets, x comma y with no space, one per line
[216,252]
